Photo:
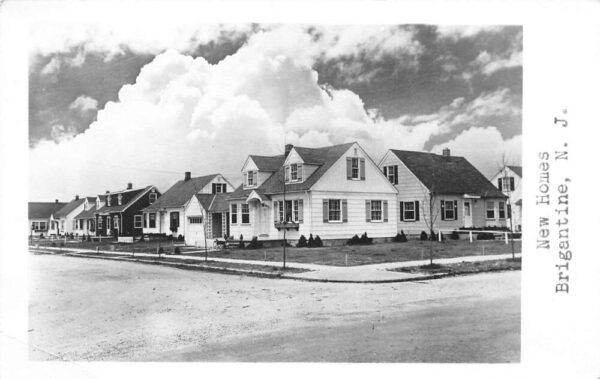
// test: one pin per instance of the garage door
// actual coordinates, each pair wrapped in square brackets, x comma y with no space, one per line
[194,231]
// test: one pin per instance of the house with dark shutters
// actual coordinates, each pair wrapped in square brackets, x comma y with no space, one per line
[508,179]
[119,213]
[42,219]
[460,194]
[180,212]
[334,192]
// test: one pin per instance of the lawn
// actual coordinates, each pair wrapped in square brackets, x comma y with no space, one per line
[370,254]
[465,267]
[112,245]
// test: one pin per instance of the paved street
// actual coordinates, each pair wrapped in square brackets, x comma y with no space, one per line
[86,309]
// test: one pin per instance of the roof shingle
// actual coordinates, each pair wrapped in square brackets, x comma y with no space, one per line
[39,210]
[180,193]
[447,175]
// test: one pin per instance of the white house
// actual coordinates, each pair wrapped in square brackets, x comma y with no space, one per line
[460,194]
[508,180]
[334,192]
[66,216]
[85,222]
[172,214]
[42,217]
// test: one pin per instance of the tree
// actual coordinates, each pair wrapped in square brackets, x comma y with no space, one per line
[430,215]
[505,178]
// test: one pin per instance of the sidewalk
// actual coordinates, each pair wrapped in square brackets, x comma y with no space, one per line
[380,272]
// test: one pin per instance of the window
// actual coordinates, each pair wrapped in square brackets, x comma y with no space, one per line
[43,225]
[137,221]
[219,188]
[120,199]
[234,213]
[100,222]
[92,226]
[116,222]
[467,207]
[152,197]
[152,220]
[294,172]
[296,211]
[281,211]
[391,172]
[501,210]
[108,201]
[376,210]
[355,169]
[251,178]
[245,213]
[290,211]
[448,210]
[490,212]
[195,219]
[335,210]
[409,211]
[174,218]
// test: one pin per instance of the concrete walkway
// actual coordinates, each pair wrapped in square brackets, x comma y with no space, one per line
[380,272]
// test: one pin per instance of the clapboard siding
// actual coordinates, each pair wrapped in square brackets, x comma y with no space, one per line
[357,223]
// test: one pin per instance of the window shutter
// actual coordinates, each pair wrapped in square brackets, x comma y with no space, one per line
[325,211]
[385,211]
[500,184]
[362,168]
[512,183]
[275,211]
[508,211]
[396,174]
[287,173]
[245,179]
[344,210]
[455,210]
[300,172]
[214,188]
[368,210]
[416,211]
[402,211]
[385,169]
[224,187]
[300,211]
[442,209]
[349,168]
[255,176]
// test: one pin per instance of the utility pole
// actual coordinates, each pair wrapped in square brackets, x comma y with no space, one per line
[284,215]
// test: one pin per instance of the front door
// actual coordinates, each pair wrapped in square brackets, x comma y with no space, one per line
[217,225]
[467,214]
[264,220]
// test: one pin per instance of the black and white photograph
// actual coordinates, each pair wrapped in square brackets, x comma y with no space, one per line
[269,189]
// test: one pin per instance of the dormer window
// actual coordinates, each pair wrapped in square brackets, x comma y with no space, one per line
[293,173]
[251,178]
[120,199]
[152,197]
[108,201]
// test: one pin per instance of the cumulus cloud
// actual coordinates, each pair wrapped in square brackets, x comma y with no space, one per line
[489,63]
[184,114]
[485,148]
[84,104]
[465,31]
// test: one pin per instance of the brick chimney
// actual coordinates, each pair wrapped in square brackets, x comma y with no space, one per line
[76,197]
[56,201]
[446,152]
[188,176]
[288,148]
[129,186]
[107,192]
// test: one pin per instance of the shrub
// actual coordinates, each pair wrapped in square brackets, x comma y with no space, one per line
[241,244]
[355,240]
[42,236]
[423,236]
[454,235]
[160,251]
[83,238]
[400,237]
[53,244]
[180,238]
[318,242]
[176,250]
[302,241]
[435,237]
[71,236]
[485,236]
[254,243]
[365,240]
[89,238]
[311,241]
[142,238]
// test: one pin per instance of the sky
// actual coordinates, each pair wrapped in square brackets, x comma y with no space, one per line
[109,105]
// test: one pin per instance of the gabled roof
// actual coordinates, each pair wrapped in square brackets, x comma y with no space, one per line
[90,199]
[39,210]
[180,193]
[447,175]
[268,163]
[517,169]
[129,197]
[324,157]
[70,207]
[214,203]
[87,214]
